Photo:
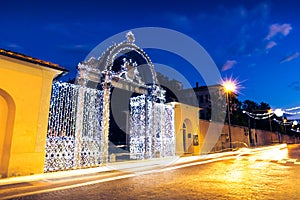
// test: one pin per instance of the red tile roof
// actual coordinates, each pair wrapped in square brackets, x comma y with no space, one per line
[31,60]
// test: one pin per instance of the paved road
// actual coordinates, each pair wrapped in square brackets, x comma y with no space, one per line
[269,174]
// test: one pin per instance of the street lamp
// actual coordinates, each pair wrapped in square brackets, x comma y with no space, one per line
[229,86]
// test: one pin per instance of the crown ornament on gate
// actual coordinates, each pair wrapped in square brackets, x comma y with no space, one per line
[130,37]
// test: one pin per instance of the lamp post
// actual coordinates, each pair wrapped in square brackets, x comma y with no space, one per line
[228,114]
[229,86]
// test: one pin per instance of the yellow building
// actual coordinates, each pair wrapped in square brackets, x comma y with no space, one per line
[188,137]
[25,89]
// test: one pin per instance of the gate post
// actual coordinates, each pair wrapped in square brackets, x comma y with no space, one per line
[105,124]
[163,131]
[148,128]
[78,130]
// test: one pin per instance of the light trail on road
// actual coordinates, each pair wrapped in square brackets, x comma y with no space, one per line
[186,162]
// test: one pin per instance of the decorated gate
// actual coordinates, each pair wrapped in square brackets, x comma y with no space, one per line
[151,129]
[75,137]
[78,130]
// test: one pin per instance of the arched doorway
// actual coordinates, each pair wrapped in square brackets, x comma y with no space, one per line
[7,115]
[131,75]
[187,136]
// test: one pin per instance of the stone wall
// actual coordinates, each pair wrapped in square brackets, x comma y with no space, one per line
[240,137]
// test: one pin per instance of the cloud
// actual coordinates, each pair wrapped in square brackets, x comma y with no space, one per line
[270,45]
[295,85]
[76,48]
[178,20]
[228,65]
[14,46]
[58,28]
[290,57]
[246,39]
[275,29]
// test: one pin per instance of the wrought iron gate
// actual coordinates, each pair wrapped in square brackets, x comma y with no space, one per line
[151,129]
[79,116]
[74,137]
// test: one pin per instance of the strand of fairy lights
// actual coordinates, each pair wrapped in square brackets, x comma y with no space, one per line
[259,115]
[298,131]
[295,108]
[278,112]
[283,123]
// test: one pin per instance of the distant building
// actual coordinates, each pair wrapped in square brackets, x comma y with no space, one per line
[172,87]
[201,96]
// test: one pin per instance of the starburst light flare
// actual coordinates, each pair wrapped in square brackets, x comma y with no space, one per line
[231,85]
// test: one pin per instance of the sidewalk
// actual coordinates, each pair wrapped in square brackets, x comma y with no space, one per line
[136,165]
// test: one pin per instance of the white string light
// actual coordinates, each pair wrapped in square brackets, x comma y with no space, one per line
[283,123]
[279,112]
[259,116]
[292,113]
[295,108]
[296,130]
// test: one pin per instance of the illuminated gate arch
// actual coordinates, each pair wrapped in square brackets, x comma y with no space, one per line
[102,70]
[78,130]
[125,66]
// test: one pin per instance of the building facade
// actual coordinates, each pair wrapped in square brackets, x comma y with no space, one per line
[188,137]
[25,89]
[204,97]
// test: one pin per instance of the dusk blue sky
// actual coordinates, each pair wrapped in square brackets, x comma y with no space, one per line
[257,42]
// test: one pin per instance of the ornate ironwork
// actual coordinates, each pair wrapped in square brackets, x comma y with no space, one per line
[66,147]
[137,127]
[151,129]
[78,126]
